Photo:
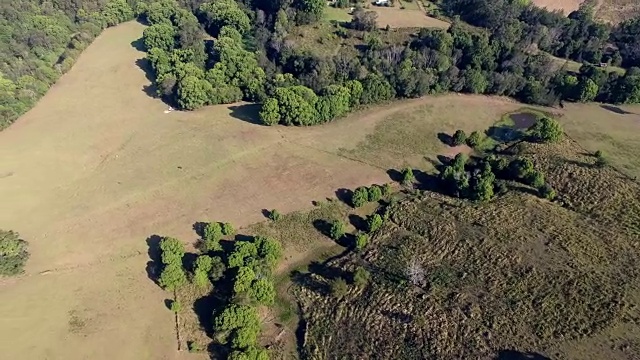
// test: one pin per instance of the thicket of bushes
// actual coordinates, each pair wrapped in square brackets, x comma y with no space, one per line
[13,253]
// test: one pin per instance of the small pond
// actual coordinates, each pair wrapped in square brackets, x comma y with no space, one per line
[523,120]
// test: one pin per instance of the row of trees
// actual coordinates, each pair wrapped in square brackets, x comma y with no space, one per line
[241,278]
[41,40]
[300,105]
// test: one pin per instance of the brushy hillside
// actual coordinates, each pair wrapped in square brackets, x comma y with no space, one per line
[517,276]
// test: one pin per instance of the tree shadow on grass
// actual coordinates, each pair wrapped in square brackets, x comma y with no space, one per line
[324,227]
[154,264]
[151,90]
[616,110]
[395,175]
[344,195]
[139,44]
[445,138]
[198,227]
[427,182]
[247,112]
[358,222]
[518,355]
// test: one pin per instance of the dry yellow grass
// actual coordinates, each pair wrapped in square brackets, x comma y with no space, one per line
[406,18]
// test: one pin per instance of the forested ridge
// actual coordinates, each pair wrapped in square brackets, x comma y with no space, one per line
[218,52]
[40,40]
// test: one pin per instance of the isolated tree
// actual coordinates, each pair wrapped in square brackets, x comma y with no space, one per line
[339,287]
[243,279]
[361,276]
[161,36]
[176,306]
[374,222]
[474,139]
[407,176]
[262,291]
[13,253]
[459,138]
[337,230]
[204,263]
[360,197]
[361,240]
[375,193]
[386,190]
[546,130]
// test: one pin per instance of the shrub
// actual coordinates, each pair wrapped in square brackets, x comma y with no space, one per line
[474,139]
[211,236]
[547,192]
[337,230]
[546,130]
[459,138]
[339,287]
[598,154]
[194,347]
[375,193]
[217,268]
[360,197]
[601,161]
[175,306]
[227,229]
[274,215]
[269,250]
[407,176]
[374,222]
[536,179]
[13,253]
[386,190]
[361,276]
[361,240]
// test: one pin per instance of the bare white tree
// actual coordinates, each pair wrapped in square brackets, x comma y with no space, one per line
[415,272]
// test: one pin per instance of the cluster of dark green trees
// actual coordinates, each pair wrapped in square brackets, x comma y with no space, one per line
[187,72]
[477,180]
[241,279]
[577,36]
[39,41]
[13,253]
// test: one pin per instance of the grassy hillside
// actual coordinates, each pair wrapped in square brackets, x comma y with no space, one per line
[559,279]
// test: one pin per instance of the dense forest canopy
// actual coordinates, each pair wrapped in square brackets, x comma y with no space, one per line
[223,51]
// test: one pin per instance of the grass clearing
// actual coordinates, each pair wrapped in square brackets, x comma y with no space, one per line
[337,14]
[412,17]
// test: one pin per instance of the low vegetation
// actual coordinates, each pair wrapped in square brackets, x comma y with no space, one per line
[13,253]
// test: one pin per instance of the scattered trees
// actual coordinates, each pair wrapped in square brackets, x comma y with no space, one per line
[13,253]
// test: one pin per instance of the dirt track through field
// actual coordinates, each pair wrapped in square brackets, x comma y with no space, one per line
[97,167]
